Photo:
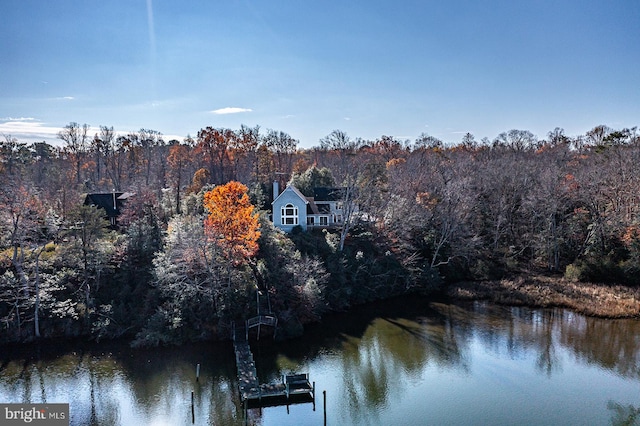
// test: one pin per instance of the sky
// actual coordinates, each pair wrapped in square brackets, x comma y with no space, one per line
[369,68]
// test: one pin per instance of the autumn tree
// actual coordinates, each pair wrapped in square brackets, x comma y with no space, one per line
[19,221]
[265,168]
[20,229]
[200,179]
[13,156]
[214,145]
[45,170]
[388,147]
[468,142]
[232,220]
[426,141]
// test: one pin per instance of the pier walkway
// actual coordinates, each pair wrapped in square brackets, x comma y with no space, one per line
[292,389]
[247,375]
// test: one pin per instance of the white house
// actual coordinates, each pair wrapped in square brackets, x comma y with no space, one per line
[291,208]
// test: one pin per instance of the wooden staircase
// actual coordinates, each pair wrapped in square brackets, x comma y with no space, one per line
[264,317]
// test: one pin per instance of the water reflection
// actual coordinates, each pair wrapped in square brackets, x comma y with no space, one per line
[401,362]
[624,415]
[611,344]
[120,386]
[391,354]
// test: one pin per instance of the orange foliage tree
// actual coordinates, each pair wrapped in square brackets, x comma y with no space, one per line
[232,220]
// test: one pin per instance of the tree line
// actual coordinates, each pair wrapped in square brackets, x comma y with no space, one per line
[417,216]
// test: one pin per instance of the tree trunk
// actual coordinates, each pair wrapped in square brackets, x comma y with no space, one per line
[36,308]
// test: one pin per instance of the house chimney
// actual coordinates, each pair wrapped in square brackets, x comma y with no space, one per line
[276,189]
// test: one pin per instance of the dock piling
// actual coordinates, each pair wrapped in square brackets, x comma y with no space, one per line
[324,405]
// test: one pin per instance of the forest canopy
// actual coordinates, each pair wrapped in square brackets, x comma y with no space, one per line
[194,243]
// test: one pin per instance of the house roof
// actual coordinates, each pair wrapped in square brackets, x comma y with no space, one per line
[106,201]
[295,191]
[311,207]
[327,194]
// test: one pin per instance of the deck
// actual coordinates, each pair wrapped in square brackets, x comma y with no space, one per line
[292,390]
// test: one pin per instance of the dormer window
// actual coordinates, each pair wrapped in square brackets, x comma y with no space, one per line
[289,214]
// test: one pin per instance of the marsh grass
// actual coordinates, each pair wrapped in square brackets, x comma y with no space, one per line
[600,300]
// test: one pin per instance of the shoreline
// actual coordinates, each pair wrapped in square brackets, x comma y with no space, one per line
[592,299]
[533,291]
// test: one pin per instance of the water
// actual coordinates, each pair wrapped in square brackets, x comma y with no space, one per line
[405,362]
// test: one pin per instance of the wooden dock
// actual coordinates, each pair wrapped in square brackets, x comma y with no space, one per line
[247,375]
[292,389]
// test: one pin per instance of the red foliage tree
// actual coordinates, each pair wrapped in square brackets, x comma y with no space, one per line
[232,220]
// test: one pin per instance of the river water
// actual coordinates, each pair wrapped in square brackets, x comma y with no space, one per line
[401,362]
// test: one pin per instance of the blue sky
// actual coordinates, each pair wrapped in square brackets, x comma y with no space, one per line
[369,68]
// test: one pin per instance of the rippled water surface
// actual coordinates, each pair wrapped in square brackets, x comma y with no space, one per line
[405,362]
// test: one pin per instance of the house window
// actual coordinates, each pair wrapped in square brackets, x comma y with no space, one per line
[324,220]
[289,215]
[311,220]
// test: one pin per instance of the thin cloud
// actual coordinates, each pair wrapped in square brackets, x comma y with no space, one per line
[61,98]
[27,129]
[230,110]
[18,119]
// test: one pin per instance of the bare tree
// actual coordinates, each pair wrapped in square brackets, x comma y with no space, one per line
[517,140]
[338,143]
[75,138]
[149,142]
[243,153]
[179,159]
[102,147]
[283,147]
